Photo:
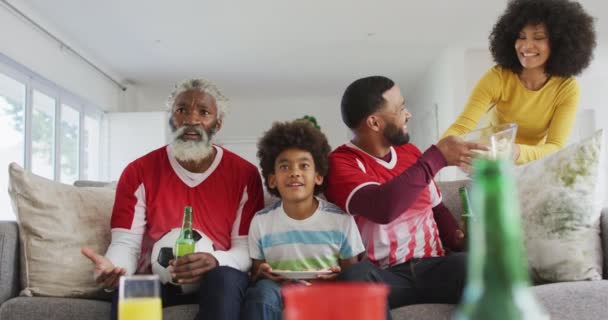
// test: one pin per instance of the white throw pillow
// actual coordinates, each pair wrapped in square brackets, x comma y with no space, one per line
[55,221]
[561,200]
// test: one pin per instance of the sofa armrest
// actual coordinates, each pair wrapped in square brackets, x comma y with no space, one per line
[9,260]
[604,234]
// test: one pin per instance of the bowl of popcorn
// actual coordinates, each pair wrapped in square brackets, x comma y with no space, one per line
[499,139]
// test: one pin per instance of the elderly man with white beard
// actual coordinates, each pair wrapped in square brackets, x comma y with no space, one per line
[224,190]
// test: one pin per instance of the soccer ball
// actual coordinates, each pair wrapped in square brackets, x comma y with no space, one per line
[163,252]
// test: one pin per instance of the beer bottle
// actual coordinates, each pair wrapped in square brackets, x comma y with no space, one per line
[497,276]
[185,243]
[466,215]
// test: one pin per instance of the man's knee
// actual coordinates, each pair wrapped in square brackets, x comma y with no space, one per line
[225,278]
[452,282]
[458,265]
[360,271]
[458,262]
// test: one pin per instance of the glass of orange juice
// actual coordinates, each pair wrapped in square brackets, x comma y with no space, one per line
[139,298]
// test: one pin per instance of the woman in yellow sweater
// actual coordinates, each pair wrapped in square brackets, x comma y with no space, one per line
[538,46]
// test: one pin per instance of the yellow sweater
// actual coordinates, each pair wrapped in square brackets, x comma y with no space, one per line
[544,117]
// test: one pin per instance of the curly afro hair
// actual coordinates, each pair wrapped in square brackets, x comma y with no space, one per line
[571,35]
[298,134]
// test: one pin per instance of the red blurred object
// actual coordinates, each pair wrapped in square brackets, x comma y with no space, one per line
[335,301]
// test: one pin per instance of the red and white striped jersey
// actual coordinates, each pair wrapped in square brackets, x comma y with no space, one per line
[154,189]
[414,233]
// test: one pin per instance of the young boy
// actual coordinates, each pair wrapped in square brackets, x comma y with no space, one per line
[301,232]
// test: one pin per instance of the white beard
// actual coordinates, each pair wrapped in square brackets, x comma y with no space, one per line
[190,150]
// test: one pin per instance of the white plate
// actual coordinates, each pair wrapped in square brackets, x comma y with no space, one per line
[301,274]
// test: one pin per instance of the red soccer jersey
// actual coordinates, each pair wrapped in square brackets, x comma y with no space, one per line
[154,189]
[414,233]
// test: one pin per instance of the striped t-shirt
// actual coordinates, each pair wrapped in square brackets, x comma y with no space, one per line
[414,233]
[315,243]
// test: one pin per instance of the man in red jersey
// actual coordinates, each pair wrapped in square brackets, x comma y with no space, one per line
[224,190]
[387,183]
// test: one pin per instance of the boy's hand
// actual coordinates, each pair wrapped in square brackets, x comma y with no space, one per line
[265,271]
[335,271]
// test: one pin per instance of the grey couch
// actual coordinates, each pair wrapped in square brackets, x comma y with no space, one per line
[568,300]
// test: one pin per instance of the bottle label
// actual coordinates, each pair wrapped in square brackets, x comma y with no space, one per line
[182,249]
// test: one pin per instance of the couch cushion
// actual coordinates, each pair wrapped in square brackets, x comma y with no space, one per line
[55,221]
[604,233]
[93,183]
[186,311]
[424,312]
[574,300]
[564,301]
[9,260]
[561,200]
[32,308]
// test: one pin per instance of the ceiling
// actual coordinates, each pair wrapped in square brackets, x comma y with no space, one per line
[266,47]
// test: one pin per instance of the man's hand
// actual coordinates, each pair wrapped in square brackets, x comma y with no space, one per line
[106,274]
[265,271]
[191,267]
[458,244]
[458,152]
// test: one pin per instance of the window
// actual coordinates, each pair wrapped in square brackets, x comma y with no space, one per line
[12,124]
[70,136]
[46,130]
[43,135]
[91,148]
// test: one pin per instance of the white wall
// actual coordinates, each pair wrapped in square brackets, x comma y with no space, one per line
[146,98]
[436,101]
[31,48]
[433,102]
[443,91]
[132,135]
[594,87]
[249,118]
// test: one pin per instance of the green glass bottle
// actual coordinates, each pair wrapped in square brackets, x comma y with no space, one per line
[498,284]
[466,212]
[185,243]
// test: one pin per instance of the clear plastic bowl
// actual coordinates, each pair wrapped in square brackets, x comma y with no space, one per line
[499,139]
